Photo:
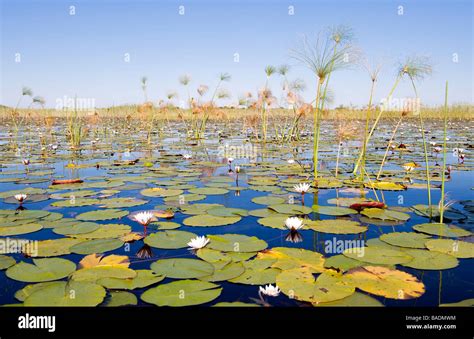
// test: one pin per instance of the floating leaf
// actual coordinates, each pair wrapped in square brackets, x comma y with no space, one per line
[96,246]
[72,293]
[405,239]
[169,239]
[377,255]
[205,220]
[182,293]
[268,200]
[226,272]
[257,272]
[160,192]
[121,298]
[384,214]
[274,221]
[299,283]
[51,248]
[236,243]
[182,268]
[209,191]
[386,282]
[290,209]
[289,258]
[78,228]
[17,230]
[227,212]
[41,270]
[105,231]
[106,214]
[355,300]
[332,210]
[143,278]
[336,226]
[456,248]
[443,230]
[386,186]
[428,260]
[6,261]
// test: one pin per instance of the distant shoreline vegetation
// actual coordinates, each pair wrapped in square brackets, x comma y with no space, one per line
[457,111]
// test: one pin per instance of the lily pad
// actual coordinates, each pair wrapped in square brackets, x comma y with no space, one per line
[143,278]
[405,239]
[443,230]
[182,293]
[96,246]
[169,239]
[6,261]
[332,210]
[206,220]
[386,282]
[428,260]
[182,268]
[378,255]
[72,293]
[337,226]
[455,248]
[41,270]
[236,243]
[384,214]
[106,214]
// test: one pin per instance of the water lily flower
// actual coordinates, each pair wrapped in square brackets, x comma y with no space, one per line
[270,290]
[432,143]
[21,197]
[457,151]
[229,160]
[302,188]
[291,161]
[294,223]
[237,169]
[198,242]
[144,218]
[410,166]
[26,162]
[54,147]
[437,149]
[187,156]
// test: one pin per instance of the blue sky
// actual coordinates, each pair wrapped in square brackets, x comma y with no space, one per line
[83,54]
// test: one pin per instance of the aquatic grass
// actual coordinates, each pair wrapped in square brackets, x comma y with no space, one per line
[322,57]
[443,171]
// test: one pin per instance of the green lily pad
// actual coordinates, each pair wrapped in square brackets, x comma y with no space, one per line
[169,239]
[337,226]
[455,248]
[274,221]
[384,214]
[64,293]
[143,278]
[41,270]
[257,272]
[51,248]
[227,212]
[96,246]
[342,263]
[405,239]
[17,230]
[428,260]
[160,192]
[355,300]
[443,230]
[78,228]
[182,293]
[28,290]
[105,231]
[209,191]
[165,225]
[236,243]
[332,210]
[121,298]
[300,284]
[292,209]
[377,255]
[205,220]
[289,258]
[106,214]
[121,202]
[6,261]
[226,272]
[268,200]
[182,268]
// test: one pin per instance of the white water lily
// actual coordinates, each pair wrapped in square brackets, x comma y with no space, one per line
[270,290]
[291,161]
[198,242]
[457,151]
[432,143]
[21,197]
[294,223]
[229,160]
[187,156]
[437,149]
[144,218]
[302,188]
[26,162]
